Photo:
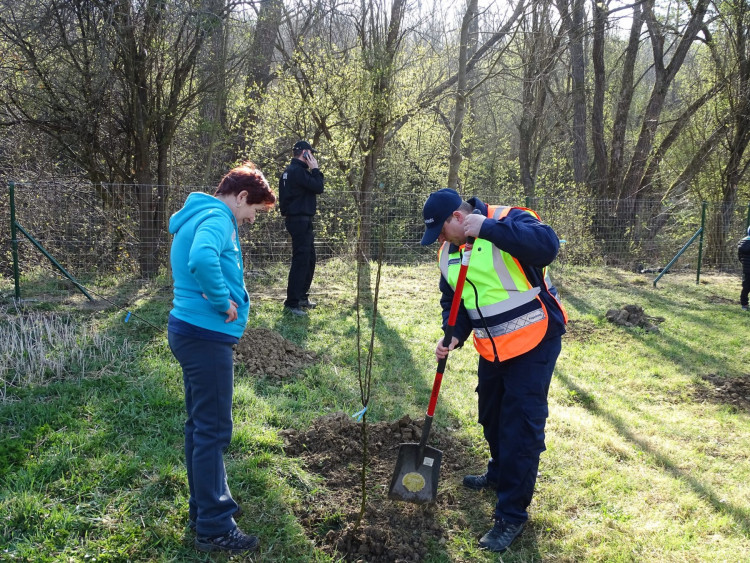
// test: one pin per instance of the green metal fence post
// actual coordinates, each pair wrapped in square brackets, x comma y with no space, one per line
[14,228]
[55,263]
[700,243]
[14,239]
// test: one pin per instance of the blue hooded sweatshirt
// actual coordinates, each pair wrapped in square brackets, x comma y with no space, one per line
[207,261]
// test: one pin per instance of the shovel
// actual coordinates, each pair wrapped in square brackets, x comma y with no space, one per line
[418,465]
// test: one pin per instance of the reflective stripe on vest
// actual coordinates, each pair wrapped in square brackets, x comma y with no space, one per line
[510,326]
[514,291]
[504,287]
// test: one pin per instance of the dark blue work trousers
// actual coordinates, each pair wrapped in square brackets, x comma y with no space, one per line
[513,411]
[208,376]
[300,228]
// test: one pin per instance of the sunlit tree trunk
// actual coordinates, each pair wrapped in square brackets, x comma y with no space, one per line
[462,93]
[573,17]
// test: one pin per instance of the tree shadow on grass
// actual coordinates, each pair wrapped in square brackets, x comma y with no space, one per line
[741,515]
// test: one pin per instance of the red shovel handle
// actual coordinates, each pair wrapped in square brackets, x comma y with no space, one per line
[455,305]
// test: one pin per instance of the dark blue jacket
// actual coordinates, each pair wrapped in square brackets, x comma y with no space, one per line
[298,189]
[743,253]
[531,242]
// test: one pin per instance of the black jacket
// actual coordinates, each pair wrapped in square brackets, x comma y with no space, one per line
[743,253]
[298,188]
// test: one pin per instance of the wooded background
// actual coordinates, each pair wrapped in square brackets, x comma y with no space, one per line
[643,107]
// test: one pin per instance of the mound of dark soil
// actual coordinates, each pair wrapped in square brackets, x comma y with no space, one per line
[728,390]
[391,530]
[266,353]
[633,315]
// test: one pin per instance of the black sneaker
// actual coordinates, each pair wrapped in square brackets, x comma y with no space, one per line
[500,536]
[307,304]
[192,524]
[478,482]
[234,541]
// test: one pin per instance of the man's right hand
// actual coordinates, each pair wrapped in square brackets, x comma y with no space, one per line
[441,351]
[310,160]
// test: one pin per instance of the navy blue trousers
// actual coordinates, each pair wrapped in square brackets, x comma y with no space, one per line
[513,411]
[208,376]
[745,289]
[302,268]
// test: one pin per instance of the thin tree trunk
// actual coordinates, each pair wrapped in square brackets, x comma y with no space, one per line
[625,98]
[598,178]
[574,21]
[454,161]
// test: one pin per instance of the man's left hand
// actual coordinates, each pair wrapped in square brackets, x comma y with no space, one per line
[473,224]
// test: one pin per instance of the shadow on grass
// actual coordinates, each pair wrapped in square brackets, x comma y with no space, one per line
[740,514]
[688,304]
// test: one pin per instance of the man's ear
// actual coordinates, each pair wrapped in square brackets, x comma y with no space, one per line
[458,216]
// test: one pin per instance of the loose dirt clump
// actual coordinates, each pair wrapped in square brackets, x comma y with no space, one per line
[733,391]
[633,316]
[265,352]
[391,531]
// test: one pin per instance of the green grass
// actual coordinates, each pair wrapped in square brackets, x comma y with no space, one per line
[638,467]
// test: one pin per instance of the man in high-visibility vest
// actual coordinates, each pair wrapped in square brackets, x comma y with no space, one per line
[513,312]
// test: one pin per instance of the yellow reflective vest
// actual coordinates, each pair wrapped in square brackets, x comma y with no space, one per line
[507,316]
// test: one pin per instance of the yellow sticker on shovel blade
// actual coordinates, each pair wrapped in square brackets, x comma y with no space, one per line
[413,482]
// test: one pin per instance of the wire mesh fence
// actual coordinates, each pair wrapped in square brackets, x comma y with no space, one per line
[118,232]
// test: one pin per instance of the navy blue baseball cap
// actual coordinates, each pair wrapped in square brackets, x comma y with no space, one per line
[302,146]
[438,207]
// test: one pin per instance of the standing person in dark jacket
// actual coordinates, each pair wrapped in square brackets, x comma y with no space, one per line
[517,321]
[743,253]
[299,186]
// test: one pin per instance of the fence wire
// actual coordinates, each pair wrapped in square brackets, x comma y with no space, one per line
[102,232]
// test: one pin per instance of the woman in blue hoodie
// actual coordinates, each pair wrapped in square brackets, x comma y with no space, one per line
[208,317]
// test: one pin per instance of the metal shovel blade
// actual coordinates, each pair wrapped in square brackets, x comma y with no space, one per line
[416,476]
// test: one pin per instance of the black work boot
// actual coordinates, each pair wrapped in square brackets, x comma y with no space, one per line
[478,482]
[234,541]
[500,536]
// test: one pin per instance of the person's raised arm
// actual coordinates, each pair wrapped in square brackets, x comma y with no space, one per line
[523,236]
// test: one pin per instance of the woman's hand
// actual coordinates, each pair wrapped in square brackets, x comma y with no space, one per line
[231,313]
[441,351]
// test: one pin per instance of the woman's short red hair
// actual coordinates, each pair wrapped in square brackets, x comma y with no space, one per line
[247,177]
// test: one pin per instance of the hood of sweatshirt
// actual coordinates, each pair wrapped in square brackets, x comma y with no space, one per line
[197,202]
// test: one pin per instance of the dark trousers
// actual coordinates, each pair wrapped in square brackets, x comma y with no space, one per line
[513,411]
[300,228]
[745,288]
[208,375]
